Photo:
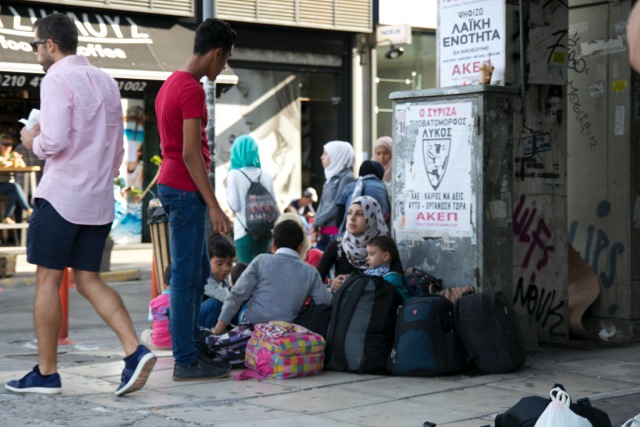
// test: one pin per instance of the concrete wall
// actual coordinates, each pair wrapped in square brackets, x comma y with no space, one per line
[515,240]
[603,212]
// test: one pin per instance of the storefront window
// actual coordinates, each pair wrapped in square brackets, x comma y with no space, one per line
[414,70]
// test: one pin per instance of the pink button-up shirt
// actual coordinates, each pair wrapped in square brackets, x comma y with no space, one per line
[81,140]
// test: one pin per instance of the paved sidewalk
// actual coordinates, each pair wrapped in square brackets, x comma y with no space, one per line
[128,262]
[90,370]
[331,399]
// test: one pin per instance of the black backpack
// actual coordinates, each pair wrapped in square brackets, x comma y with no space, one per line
[425,342]
[363,319]
[490,332]
[261,210]
[526,412]
[315,317]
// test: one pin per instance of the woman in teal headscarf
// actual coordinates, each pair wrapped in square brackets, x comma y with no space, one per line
[245,168]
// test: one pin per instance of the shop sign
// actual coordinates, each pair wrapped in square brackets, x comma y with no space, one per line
[18,81]
[124,46]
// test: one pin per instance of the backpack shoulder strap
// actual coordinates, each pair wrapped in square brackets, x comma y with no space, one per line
[247,176]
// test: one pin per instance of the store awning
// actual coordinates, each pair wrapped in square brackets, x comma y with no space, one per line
[126,47]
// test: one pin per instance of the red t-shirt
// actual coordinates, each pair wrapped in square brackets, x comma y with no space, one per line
[181,97]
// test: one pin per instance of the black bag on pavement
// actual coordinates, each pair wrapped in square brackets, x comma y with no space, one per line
[231,346]
[490,332]
[526,412]
[362,325]
[315,317]
[425,340]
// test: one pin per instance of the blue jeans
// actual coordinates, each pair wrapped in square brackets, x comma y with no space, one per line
[190,268]
[209,313]
[15,195]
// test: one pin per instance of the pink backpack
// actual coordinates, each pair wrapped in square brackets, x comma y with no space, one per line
[284,350]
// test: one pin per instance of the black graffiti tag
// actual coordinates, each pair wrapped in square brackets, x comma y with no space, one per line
[542,305]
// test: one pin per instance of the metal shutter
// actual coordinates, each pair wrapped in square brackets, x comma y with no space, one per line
[342,15]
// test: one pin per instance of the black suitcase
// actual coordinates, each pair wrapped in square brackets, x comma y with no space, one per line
[490,332]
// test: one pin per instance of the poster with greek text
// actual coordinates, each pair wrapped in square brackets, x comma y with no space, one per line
[437,196]
[471,33]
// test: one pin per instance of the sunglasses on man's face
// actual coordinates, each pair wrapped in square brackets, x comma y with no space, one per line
[6,144]
[35,44]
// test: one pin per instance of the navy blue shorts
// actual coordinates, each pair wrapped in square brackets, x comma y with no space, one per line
[55,243]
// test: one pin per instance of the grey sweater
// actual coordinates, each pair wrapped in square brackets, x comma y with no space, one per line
[327,212]
[276,287]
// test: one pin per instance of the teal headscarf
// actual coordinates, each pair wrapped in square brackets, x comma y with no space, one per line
[244,152]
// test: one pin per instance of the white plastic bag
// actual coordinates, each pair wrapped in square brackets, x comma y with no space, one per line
[632,422]
[558,414]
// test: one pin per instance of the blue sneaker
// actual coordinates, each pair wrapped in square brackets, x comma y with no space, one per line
[34,382]
[137,368]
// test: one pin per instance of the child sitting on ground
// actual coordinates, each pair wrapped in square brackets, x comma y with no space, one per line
[275,286]
[381,252]
[221,255]
[159,337]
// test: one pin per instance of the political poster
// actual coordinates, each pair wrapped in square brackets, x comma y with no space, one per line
[471,34]
[437,197]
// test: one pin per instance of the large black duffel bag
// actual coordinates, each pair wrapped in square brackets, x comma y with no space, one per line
[490,332]
[362,325]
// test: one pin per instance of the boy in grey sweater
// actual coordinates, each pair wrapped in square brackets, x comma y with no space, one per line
[275,286]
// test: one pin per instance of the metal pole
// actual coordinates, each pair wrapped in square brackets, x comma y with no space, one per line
[210,93]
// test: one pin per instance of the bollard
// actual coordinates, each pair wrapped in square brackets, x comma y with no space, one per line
[63,335]
[154,279]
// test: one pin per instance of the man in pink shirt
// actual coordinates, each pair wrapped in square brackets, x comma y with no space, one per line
[186,193]
[80,137]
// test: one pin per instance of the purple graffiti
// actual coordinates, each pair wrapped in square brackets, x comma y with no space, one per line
[522,220]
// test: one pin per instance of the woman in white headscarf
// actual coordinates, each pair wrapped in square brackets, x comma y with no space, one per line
[382,150]
[349,252]
[337,160]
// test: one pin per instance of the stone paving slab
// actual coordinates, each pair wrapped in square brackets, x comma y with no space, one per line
[90,368]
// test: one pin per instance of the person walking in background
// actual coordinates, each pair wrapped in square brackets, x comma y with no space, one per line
[186,193]
[245,168]
[382,150]
[337,160]
[80,136]
[8,186]
[369,183]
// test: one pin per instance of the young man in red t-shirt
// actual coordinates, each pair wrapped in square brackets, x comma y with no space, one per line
[186,193]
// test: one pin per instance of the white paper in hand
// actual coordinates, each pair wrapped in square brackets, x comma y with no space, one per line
[34,119]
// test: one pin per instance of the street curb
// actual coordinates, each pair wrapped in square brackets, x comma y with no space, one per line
[107,276]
